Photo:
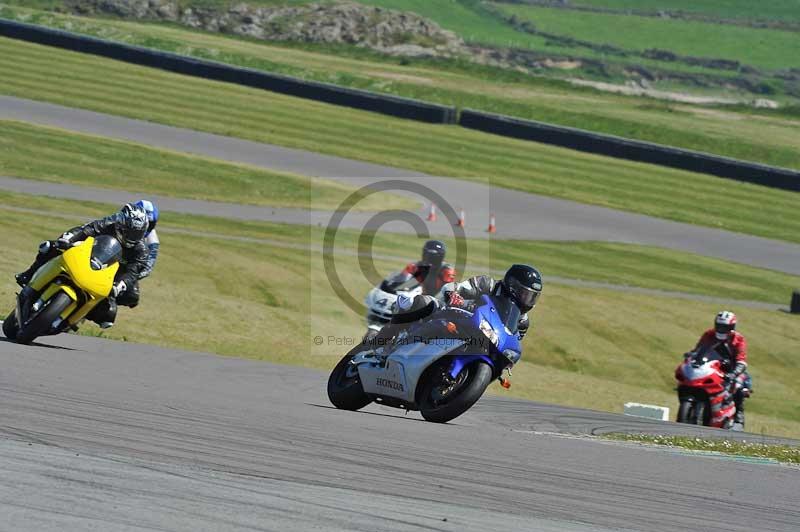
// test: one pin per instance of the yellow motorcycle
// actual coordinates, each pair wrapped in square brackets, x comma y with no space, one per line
[64,290]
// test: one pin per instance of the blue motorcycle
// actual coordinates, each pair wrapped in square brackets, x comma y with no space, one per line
[440,365]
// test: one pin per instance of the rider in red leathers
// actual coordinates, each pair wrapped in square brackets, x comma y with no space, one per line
[724,332]
[431,272]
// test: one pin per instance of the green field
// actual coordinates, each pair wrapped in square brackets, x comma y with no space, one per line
[589,347]
[783,10]
[107,86]
[764,48]
[764,136]
[50,154]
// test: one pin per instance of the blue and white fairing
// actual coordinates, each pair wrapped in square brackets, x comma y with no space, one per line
[489,334]
[497,319]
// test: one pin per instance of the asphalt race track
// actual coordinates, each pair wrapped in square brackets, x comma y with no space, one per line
[520,215]
[114,436]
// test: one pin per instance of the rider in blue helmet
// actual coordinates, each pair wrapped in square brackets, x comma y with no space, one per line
[151,238]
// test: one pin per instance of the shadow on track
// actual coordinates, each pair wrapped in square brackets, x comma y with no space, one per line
[3,339]
[394,416]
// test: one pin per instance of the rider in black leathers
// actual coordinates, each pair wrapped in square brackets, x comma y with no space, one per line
[129,226]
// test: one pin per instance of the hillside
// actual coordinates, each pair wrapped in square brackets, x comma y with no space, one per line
[724,50]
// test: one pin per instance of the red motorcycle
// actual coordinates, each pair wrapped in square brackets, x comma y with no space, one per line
[706,397]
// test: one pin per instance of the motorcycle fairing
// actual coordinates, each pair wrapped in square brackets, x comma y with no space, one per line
[77,263]
[407,361]
[74,263]
[692,373]
[404,366]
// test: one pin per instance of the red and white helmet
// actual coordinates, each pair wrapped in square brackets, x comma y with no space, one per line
[724,324]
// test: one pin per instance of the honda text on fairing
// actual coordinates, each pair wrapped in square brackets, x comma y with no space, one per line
[65,289]
[440,366]
[704,392]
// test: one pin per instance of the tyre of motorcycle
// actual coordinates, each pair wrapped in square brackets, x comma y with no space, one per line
[10,326]
[41,322]
[685,411]
[443,398]
[700,410]
[344,385]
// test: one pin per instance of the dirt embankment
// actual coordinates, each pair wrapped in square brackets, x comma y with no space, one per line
[384,30]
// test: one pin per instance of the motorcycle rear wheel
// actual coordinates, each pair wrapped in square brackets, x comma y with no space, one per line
[344,386]
[41,323]
[439,405]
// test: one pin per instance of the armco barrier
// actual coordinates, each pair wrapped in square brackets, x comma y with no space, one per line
[578,139]
[324,92]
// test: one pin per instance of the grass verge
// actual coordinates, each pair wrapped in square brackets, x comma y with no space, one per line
[723,9]
[782,453]
[764,136]
[49,154]
[759,47]
[123,89]
[260,291]
[603,262]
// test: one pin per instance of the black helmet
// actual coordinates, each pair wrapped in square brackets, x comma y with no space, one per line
[130,225]
[523,285]
[433,252]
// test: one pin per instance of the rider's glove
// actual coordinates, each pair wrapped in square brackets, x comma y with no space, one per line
[118,288]
[62,244]
[404,302]
[730,378]
[455,300]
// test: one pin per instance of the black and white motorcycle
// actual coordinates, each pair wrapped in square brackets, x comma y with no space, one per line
[381,303]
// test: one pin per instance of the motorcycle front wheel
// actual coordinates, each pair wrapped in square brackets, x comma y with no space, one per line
[685,412]
[344,386]
[43,321]
[699,417]
[443,398]
[10,326]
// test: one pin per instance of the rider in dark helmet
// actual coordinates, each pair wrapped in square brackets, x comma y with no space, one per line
[130,227]
[521,283]
[431,271]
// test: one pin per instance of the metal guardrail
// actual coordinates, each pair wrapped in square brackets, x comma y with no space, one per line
[634,150]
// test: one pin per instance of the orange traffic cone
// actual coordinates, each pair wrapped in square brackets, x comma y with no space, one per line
[492,227]
[432,213]
[461,219]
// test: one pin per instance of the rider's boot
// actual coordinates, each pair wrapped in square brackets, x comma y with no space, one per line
[104,314]
[738,418]
[23,278]
[46,252]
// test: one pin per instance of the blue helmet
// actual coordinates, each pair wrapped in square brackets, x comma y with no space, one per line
[152,213]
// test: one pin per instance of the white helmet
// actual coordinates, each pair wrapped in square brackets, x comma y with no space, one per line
[724,324]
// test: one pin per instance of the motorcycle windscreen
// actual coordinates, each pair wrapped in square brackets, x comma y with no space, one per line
[710,352]
[508,312]
[106,250]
